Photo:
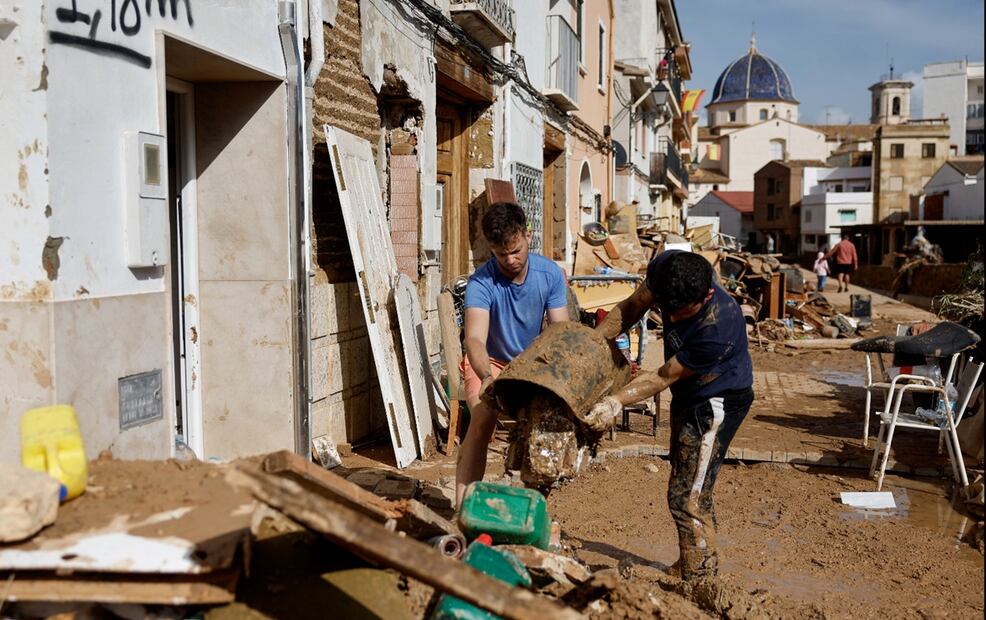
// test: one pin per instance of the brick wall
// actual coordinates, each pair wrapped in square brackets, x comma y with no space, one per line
[344,387]
[405,213]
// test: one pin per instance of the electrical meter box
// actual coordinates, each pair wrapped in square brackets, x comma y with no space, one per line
[145,199]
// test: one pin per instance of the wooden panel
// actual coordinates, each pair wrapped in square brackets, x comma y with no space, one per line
[416,363]
[499,191]
[376,269]
[453,174]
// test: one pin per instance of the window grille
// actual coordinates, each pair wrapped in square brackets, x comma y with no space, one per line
[529,188]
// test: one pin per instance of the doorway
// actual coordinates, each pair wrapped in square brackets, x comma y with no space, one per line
[453,188]
[183,266]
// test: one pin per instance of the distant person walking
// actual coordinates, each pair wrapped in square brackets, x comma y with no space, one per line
[821,269]
[846,261]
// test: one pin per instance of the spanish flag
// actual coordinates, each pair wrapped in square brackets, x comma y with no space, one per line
[689,101]
[714,153]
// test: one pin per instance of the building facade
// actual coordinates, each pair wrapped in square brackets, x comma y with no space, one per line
[778,190]
[834,197]
[734,211]
[954,90]
[651,132]
[148,159]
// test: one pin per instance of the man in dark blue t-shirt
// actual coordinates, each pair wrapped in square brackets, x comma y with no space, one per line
[710,373]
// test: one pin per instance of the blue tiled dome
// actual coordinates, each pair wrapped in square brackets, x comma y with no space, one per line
[753,76]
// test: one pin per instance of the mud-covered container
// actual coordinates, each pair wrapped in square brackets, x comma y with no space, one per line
[572,361]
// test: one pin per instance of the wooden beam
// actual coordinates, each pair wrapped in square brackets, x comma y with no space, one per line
[207,589]
[499,191]
[372,541]
[409,516]
[457,75]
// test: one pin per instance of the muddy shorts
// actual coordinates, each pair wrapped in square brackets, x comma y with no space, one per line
[700,436]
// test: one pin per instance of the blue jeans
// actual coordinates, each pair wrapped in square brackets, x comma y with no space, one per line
[821,283]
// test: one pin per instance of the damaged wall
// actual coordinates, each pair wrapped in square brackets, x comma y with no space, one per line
[25,347]
[96,71]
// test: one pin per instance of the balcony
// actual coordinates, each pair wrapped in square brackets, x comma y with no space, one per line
[491,22]
[671,76]
[667,170]
[562,85]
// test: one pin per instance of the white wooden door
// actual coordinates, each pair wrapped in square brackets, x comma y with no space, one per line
[376,272]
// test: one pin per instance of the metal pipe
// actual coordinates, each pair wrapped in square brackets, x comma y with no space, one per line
[294,76]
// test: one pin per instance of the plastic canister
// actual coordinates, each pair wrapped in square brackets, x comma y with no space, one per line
[510,515]
[51,443]
[491,561]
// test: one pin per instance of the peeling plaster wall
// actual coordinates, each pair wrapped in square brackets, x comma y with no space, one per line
[73,317]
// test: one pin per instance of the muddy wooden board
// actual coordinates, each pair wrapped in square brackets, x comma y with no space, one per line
[416,363]
[376,272]
[212,589]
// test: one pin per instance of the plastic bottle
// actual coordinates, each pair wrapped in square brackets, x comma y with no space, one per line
[51,443]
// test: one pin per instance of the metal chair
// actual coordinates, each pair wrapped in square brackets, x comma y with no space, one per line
[892,417]
[873,384]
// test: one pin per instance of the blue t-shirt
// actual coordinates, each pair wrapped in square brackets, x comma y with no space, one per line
[712,344]
[516,310]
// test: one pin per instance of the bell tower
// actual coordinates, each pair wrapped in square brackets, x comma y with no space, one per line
[891,101]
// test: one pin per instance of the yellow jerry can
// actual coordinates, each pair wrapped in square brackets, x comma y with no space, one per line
[51,443]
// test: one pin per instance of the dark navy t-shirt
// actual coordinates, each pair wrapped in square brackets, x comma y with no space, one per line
[712,344]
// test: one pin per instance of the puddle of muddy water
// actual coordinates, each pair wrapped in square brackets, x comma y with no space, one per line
[838,377]
[922,503]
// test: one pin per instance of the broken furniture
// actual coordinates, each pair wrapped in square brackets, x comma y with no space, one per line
[943,420]
[376,542]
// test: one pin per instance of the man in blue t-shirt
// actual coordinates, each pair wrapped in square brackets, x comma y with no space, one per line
[506,302]
[710,373]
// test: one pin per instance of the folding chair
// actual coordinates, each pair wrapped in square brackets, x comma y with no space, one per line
[891,417]
[873,384]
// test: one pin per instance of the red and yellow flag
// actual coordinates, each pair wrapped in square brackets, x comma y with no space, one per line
[690,100]
[714,152]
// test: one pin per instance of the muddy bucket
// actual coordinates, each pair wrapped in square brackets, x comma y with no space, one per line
[570,360]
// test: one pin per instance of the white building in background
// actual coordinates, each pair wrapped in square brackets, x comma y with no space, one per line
[733,210]
[954,90]
[833,197]
[954,193]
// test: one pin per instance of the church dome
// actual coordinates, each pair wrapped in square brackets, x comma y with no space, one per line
[753,76]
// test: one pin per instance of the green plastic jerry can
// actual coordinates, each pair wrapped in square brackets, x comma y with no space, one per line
[494,562]
[510,515]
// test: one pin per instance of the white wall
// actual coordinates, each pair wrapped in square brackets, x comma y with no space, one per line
[747,150]
[730,220]
[820,212]
[964,199]
[822,180]
[946,94]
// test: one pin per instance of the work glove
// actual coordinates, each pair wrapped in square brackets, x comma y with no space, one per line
[603,414]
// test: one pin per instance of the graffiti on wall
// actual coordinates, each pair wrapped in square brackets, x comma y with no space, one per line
[125,16]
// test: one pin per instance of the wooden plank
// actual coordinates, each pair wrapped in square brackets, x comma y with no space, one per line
[499,191]
[356,180]
[452,354]
[456,75]
[410,516]
[416,363]
[372,541]
[210,589]
[562,569]
[330,485]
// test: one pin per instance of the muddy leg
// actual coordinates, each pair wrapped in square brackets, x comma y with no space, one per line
[472,453]
[683,498]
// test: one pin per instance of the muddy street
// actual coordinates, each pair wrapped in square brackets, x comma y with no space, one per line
[783,532]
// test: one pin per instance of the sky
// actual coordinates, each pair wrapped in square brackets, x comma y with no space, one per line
[832,50]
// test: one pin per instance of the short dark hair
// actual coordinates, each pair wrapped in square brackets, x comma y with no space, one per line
[683,279]
[502,221]
[846,235]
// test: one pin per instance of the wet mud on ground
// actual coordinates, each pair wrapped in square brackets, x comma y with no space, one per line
[783,533]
